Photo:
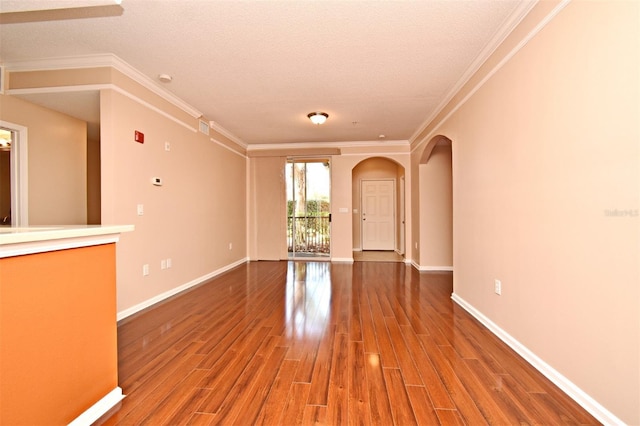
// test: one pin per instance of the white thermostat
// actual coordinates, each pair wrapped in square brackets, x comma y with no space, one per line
[157,181]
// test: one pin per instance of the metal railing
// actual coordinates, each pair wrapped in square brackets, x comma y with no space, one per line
[311,234]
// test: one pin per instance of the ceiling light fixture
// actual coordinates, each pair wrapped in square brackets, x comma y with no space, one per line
[165,78]
[318,117]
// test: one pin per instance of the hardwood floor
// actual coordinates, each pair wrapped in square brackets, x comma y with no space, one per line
[377,256]
[315,342]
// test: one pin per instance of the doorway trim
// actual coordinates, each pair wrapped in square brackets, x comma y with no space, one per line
[19,174]
[401,234]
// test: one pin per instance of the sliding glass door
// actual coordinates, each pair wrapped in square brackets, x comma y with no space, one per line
[308,208]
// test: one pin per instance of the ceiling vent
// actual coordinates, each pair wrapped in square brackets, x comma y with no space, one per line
[204,127]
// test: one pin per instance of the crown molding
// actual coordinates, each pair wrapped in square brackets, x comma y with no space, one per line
[228,147]
[354,144]
[501,34]
[23,6]
[525,40]
[105,60]
[98,87]
[110,60]
[227,134]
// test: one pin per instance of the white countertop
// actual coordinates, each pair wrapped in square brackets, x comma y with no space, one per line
[35,239]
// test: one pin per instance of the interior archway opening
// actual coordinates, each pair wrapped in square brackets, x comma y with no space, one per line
[435,183]
[378,210]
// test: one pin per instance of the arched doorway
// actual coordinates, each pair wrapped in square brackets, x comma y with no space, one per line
[378,209]
[435,183]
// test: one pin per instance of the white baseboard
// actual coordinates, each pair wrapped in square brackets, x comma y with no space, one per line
[432,268]
[159,298]
[99,409]
[578,395]
[436,269]
[342,259]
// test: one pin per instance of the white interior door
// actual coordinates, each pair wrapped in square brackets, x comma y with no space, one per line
[378,214]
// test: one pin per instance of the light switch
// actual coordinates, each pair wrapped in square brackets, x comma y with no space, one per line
[140,209]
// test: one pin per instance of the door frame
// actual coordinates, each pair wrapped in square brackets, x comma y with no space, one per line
[19,174]
[309,159]
[394,203]
[402,225]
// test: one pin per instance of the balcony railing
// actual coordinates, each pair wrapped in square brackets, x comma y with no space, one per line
[311,234]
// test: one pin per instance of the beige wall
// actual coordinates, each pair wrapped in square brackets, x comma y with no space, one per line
[371,168]
[57,163]
[191,219]
[342,193]
[197,218]
[436,216]
[543,153]
[268,224]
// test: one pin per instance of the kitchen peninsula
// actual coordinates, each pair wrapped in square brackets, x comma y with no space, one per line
[58,331]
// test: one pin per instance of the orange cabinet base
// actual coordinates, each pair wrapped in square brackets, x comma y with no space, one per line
[58,342]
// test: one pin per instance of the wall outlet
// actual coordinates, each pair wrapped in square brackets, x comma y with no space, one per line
[163,264]
[498,287]
[140,209]
[145,269]
[230,246]
[168,263]
[167,146]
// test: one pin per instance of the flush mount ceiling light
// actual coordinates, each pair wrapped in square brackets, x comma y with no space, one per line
[165,78]
[318,117]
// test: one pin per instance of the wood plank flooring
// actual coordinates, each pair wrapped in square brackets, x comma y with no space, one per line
[377,256]
[320,343]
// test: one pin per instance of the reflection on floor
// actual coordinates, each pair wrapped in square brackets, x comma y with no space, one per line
[358,256]
[288,343]
[308,256]
[377,256]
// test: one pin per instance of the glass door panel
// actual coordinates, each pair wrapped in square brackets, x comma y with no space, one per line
[308,208]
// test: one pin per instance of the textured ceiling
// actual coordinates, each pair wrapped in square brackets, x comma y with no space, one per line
[258,67]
